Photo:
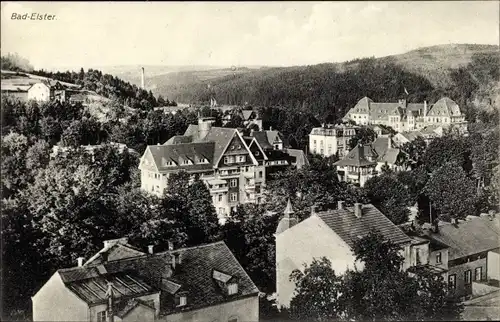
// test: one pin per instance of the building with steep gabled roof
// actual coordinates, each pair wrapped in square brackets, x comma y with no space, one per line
[204,282]
[366,161]
[220,156]
[332,234]
[403,116]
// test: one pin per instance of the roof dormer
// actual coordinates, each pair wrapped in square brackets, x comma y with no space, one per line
[227,283]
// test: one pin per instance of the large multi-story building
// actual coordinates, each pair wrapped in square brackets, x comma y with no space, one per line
[332,234]
[233,167]
[331,139]
[123,283]
[403,116]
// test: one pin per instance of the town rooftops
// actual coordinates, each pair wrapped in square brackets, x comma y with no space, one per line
[469,237]
[145,273]
[369,154]
[445,107]
[411,135]
[350,228]
[385,152]
[360,156]
[299,156]
[267,138]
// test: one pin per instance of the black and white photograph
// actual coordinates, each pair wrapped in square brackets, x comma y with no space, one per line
[250,161]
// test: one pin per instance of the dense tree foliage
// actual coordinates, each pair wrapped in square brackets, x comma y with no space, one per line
[14,62]
[364,135]
[390,196]
[315,185]
[378,291]
[451,191]
[106,85]
[249,233]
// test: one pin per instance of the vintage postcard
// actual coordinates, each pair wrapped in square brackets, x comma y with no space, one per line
[250,161]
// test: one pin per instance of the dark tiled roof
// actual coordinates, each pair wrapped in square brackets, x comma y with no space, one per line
[115,252]
[300,157]
[410,136]
[469,237]
[345,224]
[444,107]
[177,152]
[384,152]
[262,138]
[219,135]
[177,139]
[358,157]
[124,307]
[93,290]
[146,274]
[195,274]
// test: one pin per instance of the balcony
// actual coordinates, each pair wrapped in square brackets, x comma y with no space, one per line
[218,189]
[229,173]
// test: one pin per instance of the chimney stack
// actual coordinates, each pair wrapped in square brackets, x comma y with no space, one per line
[110,298]
[150,249]
[358,209]
[142,78]
[313,210]
[340,204]
[80,261]
[425,108]
[170,245]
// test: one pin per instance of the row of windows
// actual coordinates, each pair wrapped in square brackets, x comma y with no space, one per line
[234,159]
[478,276]
[156,175]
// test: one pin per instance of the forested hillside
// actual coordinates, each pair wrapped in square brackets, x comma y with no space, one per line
[107,86]
[458,71]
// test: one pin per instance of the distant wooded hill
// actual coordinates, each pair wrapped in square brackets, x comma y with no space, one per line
[460,71]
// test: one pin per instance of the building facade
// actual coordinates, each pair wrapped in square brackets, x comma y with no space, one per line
[329,234]
[124,283]
[403,116]
[366,161]
[331,139]
[233,167]
[473,259]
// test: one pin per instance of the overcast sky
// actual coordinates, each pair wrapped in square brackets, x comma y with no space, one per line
[239,33]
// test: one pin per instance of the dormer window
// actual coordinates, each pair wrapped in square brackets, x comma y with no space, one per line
[227,283]
[181,299]
[232,288]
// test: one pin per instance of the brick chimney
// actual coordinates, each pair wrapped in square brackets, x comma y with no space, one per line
[358,210]
[151,249]
[170,245]
[340,204]
[80,261]
[425,108]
